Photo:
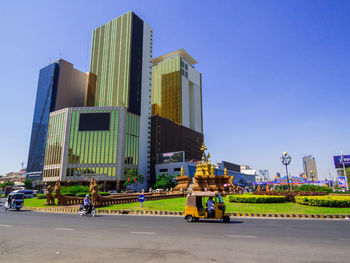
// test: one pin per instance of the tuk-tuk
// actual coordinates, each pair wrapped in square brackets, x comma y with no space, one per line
[196,207]
[14,200]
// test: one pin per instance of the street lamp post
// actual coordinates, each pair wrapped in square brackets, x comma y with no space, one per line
[285,159]
[312,177]
[346,177]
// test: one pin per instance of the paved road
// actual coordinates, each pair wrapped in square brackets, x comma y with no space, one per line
[27,236]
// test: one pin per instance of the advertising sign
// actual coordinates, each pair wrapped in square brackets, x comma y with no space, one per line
[172,157]
[341,181]
[338,162]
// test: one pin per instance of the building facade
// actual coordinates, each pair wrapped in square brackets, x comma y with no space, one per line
[177,90]
[86,142]
[121,59]
[309,165]
[59,86]
[168,136]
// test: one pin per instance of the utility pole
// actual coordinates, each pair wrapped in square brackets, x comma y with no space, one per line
[346,177]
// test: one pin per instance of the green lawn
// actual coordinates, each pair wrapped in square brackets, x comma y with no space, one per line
[34,202]
[178,204]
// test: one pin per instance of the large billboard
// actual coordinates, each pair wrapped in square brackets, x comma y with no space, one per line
[338,161]
[172,157]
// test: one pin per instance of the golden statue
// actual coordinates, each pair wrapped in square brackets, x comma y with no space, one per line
[59,196]
[94,192]
[50,199]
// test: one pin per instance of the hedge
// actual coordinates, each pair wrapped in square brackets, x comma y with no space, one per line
[289,195]
[84,194]
[328,201]
[81,194]
[41,196]
[256,198]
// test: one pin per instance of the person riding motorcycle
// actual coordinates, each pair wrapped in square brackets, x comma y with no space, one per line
[87,204]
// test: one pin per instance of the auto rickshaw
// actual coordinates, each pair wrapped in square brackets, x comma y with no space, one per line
[14,200]
[196,207]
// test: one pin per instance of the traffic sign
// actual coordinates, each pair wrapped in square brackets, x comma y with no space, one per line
[141,198]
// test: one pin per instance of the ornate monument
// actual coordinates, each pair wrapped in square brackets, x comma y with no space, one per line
[205,178]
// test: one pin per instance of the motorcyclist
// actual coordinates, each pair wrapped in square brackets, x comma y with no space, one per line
[87,204]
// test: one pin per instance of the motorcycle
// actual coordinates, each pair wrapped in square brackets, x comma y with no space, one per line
[83,212]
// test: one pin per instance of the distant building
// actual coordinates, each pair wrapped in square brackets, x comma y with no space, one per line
[59,86]
[278,174]
[17,177]
[246,169]
[263,175]
[309,165]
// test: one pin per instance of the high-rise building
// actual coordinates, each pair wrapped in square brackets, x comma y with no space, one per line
[309,165]
[168,136]
[86,142]
[60,85]
[121,58]
[177,90]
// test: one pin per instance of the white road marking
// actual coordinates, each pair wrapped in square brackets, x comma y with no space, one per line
[344,239]
[143,233]
[6,225]
[64,229]
[238,236]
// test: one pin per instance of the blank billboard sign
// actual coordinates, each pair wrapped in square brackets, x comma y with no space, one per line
[96,121]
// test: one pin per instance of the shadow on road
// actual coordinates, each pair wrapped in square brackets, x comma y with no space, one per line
[217,222]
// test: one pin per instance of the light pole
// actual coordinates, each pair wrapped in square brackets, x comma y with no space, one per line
[312,177]
[346,177]
[285,159]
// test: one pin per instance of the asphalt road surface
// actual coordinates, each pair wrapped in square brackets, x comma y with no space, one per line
[27,236]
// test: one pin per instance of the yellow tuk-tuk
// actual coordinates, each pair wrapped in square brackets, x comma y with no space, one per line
[196,207]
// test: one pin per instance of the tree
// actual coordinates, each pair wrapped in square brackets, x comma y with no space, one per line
[165,180]
[133,177]
[28,184]
[7,183]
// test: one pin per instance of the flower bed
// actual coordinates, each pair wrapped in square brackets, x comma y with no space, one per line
[256,198]
[326,201]
[289,195]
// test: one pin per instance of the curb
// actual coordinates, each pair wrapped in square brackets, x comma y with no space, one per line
[173,213]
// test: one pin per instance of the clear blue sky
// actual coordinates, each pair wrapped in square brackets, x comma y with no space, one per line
[276,74]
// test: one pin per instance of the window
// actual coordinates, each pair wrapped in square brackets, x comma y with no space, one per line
[177,169]
[163,170]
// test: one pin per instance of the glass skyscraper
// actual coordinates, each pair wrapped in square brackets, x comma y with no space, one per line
[59,86]
[44,104]
[121,58]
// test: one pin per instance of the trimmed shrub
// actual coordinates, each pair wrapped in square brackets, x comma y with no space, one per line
[103,193]
[256,198]
[314,188]
[81,194]
[41,196]
[72,190]
[328,201]
[290,195]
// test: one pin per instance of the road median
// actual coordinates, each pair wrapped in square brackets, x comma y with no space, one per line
[69,210]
